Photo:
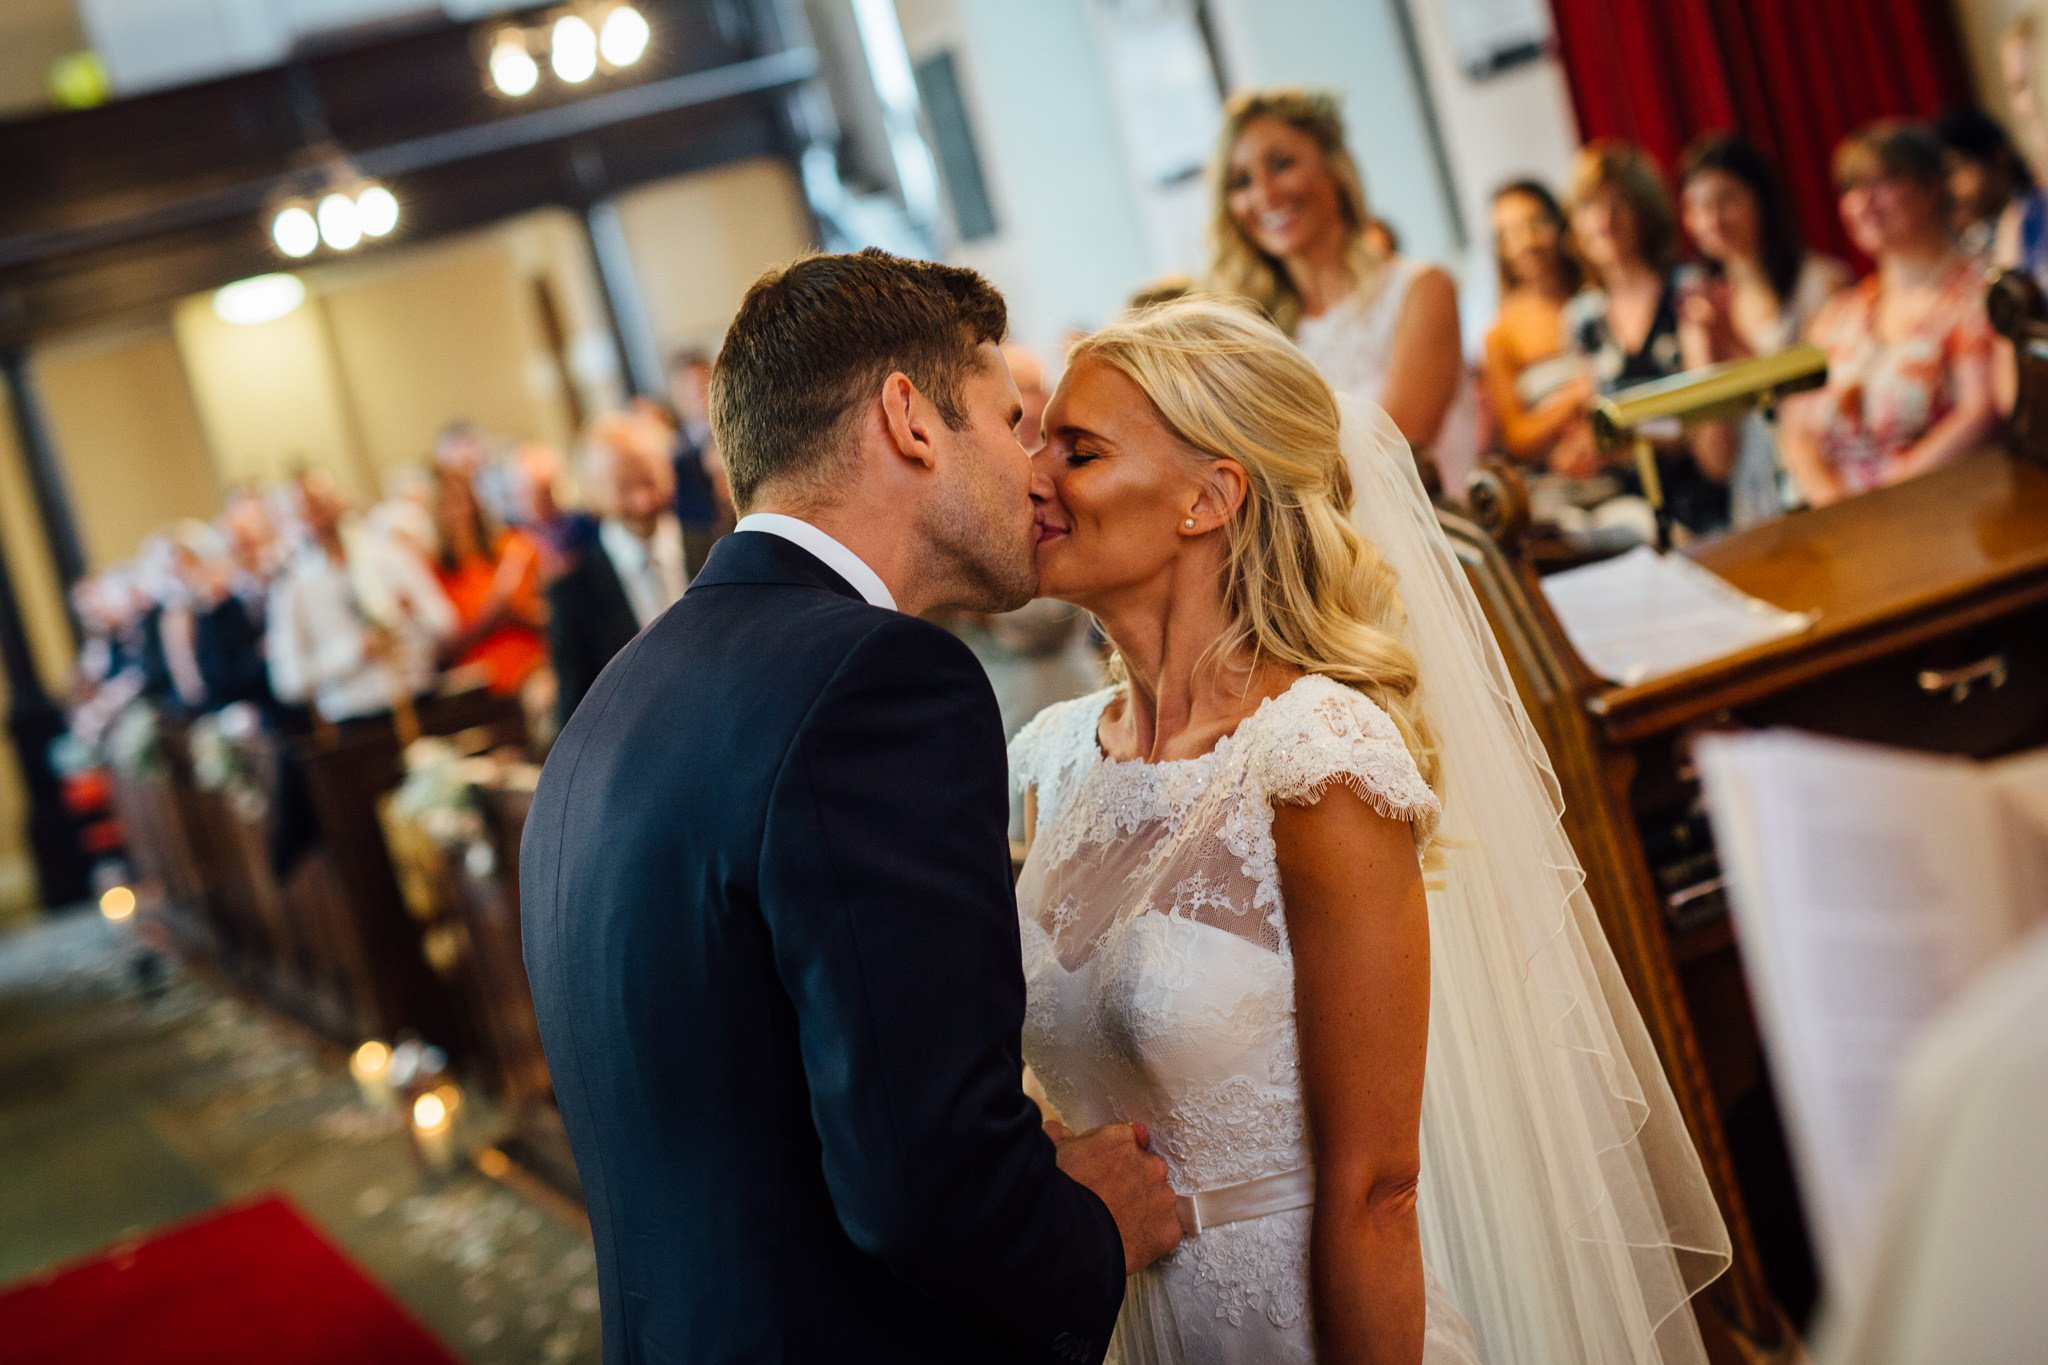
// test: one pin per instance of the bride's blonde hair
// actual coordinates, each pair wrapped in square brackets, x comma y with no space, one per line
[1302,586]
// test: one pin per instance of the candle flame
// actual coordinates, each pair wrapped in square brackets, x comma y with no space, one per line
[429,1111]
[118,903]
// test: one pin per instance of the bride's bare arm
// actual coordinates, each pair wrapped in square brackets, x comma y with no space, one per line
[1358,924]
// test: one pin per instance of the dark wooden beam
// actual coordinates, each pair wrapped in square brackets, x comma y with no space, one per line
[133,205]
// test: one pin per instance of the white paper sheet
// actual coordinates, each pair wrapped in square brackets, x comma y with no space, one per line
[1642,615]
[1869,886]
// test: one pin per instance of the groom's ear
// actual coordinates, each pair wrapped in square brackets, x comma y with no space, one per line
[908,419]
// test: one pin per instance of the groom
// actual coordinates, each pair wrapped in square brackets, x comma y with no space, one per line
[768,914]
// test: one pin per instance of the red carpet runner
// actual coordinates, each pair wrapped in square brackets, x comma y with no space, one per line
[254,1283]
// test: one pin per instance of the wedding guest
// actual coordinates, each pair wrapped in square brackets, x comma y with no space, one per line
[1381,237]
[1165,289]
[1537,384]
[211,640]
[1288,232]
[1027,372]
[1626,325]
[1986,175]
[1756,291]
[355,621]
[107,674]
[561,532]
[2022,241]
[703,507]
[255,551]
[492,579]
[634,568]
[1037,654]
[1909,348]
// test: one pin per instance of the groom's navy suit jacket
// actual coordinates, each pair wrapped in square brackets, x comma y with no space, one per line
[773,946]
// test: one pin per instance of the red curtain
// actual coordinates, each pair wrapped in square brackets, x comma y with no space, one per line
[1794,76]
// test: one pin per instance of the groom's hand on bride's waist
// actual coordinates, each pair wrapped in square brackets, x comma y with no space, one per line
[1130,1181]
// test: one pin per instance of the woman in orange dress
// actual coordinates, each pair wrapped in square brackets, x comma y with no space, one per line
[493,579]
[1538,385]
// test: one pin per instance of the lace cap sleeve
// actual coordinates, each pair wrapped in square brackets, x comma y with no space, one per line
[1322,732]
[1055,748]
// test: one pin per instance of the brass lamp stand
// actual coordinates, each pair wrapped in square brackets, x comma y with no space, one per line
[1709,395]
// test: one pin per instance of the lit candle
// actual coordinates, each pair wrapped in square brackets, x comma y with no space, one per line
[117,904]
[433,1128]
[370,1065]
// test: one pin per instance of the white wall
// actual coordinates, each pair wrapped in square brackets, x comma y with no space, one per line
[1071,243]
[1078,231]
[1514,125]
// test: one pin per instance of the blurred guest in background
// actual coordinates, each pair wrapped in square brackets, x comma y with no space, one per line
[492,579]
[2023,232]
[355,621]
[703,507]
[1536,383]
[1037,654]
[560,533]
[634,568]
[1027,371]
[1756,291]
[1165,289]
[1986,175]
[211,640]
[1909,348]
[255,551]
[1288,232]
[1626,325]
[1381,237]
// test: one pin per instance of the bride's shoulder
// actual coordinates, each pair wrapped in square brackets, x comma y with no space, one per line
[1057,737]
[1320,731]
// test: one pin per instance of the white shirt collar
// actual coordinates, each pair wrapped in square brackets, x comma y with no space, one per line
[837,557]
[631,558]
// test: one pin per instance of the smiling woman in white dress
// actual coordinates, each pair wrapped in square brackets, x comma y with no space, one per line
[1407,1123]
[1288,232]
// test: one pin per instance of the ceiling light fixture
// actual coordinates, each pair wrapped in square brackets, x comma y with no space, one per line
[573,49]
[261,299]
[340,226]
[514,72]
[376,210]
[623,36]
[295,232]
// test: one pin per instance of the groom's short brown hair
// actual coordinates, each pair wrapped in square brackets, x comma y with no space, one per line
[814,340]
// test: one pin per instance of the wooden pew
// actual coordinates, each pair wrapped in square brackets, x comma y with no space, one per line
[376,941]
[464,891]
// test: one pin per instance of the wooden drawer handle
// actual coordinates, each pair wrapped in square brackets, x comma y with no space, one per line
[1960,682]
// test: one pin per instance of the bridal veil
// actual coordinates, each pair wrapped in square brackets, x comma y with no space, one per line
[1561,1199]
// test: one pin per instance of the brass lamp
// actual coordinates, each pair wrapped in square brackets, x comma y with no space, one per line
[1709,395]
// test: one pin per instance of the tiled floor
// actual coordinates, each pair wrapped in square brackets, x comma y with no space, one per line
[129,1099]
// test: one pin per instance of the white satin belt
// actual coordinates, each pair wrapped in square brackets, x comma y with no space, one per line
[1295,1189]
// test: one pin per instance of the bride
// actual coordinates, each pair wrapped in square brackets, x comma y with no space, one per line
[1297,898]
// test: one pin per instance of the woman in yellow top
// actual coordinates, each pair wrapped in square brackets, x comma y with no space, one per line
[1537,384]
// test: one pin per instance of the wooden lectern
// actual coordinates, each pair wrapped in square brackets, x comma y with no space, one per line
[1930,630]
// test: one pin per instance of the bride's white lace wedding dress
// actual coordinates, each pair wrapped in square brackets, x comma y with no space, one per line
[1162,991]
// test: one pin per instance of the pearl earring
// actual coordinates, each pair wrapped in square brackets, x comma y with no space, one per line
[1189,523]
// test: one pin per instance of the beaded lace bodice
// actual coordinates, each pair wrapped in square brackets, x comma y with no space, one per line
[1156,954]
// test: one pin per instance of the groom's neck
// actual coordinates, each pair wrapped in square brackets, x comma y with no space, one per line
[879,540]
